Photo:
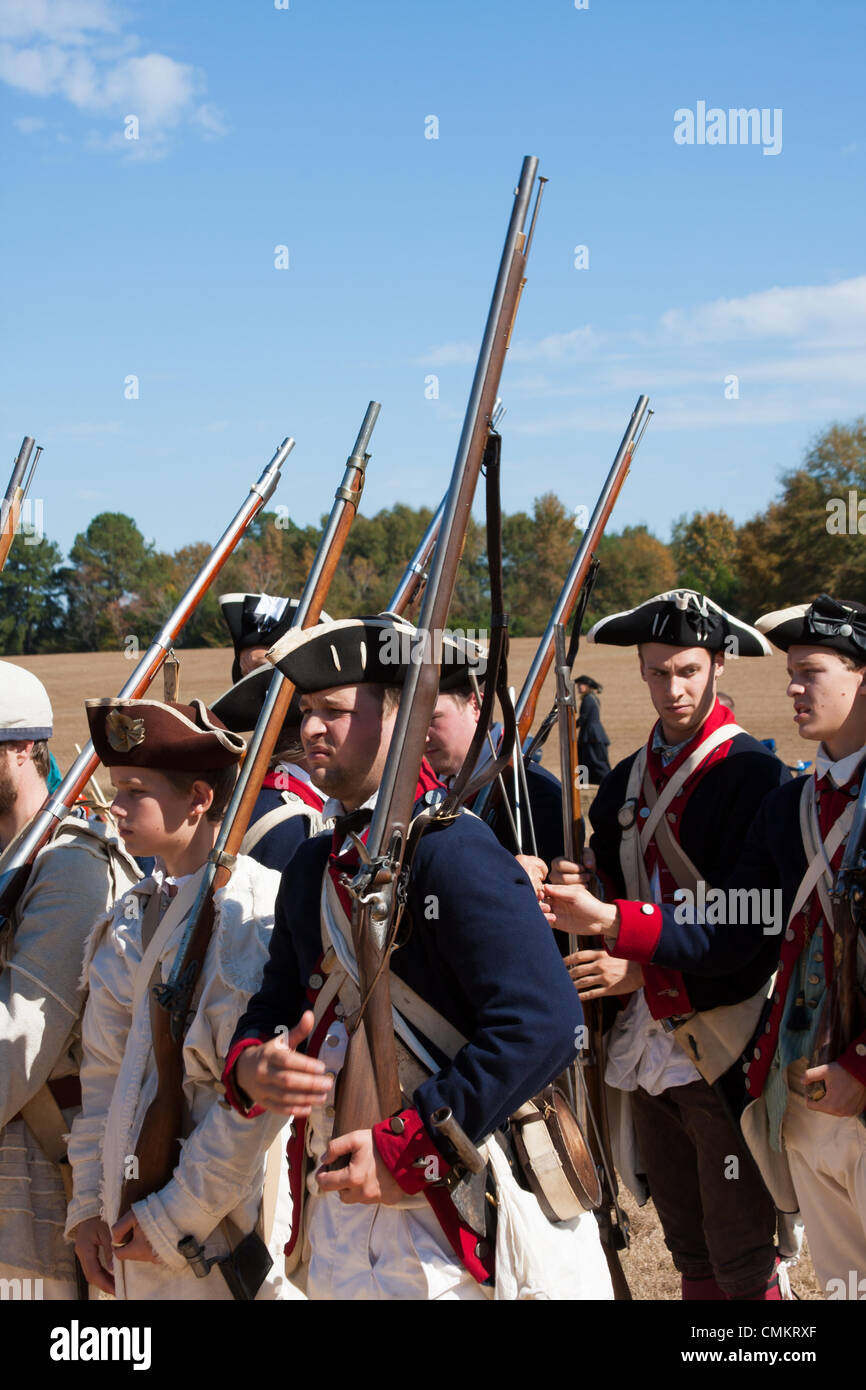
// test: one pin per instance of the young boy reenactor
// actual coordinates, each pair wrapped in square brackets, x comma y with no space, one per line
[173,767]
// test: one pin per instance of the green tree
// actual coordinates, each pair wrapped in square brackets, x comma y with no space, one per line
[705,551]
[31,593]
[537,553]
[110,562]
[634,566]
[804,542]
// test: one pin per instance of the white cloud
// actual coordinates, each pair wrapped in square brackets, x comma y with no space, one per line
[556,347]
[449,355]
[67,21]
[28,125]
[107,427]
[74,49]
[572,346]
[829,312]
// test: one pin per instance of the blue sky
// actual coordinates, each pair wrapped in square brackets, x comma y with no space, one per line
[261,127]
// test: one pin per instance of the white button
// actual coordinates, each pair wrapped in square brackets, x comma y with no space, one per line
[789,934]
[860,1049]
[646,909]
[671,817]
[315,982]
[757,1054]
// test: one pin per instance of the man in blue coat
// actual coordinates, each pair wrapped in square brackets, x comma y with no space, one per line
[497,1021]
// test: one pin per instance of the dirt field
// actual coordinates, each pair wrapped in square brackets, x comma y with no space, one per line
[757,686]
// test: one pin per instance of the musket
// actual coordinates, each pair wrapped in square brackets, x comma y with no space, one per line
[843,1017]
[369,1088]
[159,1138]
[416,573]
[569,594]
[17,858]
[612,1221]
[15,494]
[527,700]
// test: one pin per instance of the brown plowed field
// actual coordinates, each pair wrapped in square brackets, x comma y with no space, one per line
[757,686]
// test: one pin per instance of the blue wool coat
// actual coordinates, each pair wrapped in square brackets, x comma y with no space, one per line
[474,944]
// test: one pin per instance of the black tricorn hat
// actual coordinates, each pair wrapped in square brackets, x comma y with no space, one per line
[680,618]
[460,657]
[255,620]
[362,651]
[149,733]
[838,624]
[239,707]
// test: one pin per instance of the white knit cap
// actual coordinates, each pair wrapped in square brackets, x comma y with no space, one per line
[25,709]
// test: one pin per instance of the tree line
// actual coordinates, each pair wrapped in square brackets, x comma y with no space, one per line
[115,585]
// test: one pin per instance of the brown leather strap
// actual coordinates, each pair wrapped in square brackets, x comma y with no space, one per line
[66,1090]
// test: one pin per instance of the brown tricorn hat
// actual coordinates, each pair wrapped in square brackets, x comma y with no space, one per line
[147,733]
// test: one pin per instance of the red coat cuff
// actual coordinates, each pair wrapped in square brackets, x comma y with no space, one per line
[665,992]
[409,1153]
[639,930]
[233,1095]
[853,1059]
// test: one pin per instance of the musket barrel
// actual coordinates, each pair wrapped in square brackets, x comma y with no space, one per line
[20,851]
[409,735]
[416,570]
[20,466]
[568,594]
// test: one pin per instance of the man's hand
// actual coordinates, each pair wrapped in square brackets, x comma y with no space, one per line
[280,1079]
[92,1240]
[845,1094]
[597,974]
[535,870]
[574,909]
[366,1179]
[566,872]
[130,1243]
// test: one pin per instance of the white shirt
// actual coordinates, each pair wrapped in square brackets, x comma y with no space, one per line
[640,1052]
[840,772]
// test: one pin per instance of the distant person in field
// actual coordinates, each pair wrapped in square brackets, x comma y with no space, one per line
[592,741]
